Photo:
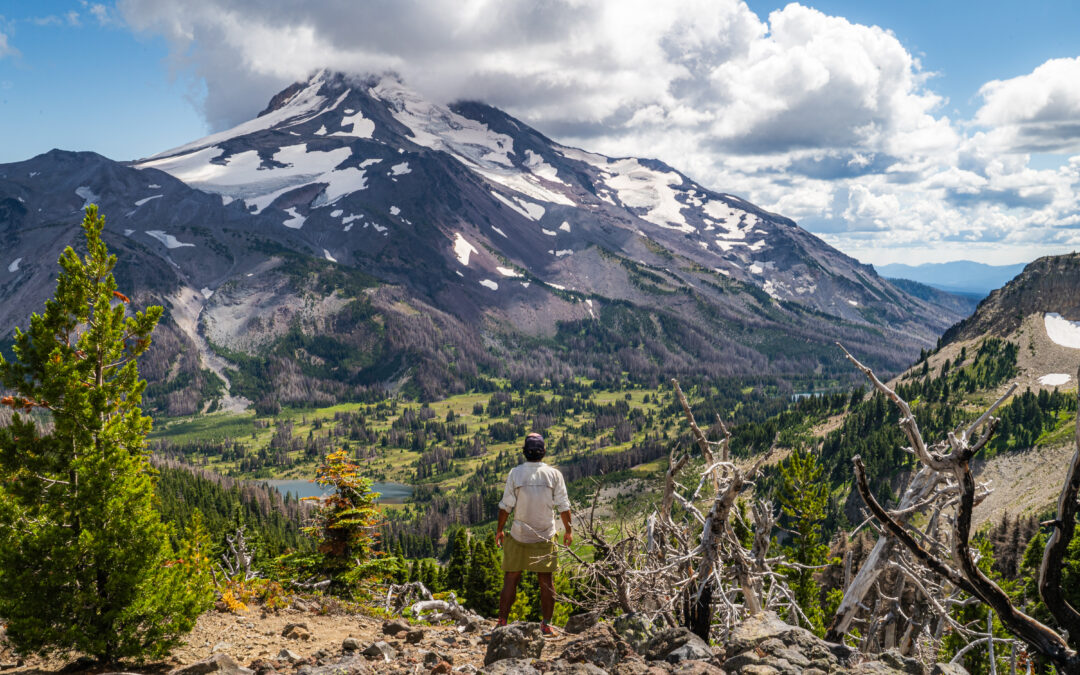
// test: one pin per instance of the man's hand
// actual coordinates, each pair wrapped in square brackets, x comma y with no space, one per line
[567,537]
[499,538]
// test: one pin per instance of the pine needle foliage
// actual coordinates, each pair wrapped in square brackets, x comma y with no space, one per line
[86,563]
[345,526]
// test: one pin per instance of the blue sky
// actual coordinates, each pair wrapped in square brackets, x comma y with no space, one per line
[898,131]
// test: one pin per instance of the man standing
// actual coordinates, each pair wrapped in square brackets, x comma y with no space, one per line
[533,491]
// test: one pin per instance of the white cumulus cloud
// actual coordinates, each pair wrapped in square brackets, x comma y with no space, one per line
[813,116]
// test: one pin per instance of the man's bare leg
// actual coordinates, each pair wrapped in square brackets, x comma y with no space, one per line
[509,593]
[547,596]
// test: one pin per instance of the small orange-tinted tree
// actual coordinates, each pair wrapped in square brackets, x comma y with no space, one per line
[345,525]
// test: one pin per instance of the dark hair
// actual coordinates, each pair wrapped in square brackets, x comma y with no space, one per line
[534,447]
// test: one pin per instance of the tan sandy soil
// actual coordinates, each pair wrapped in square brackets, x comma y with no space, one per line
[255,634]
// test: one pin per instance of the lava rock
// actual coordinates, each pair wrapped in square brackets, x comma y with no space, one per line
[579,623]
[350,644]
[395,627]
[380,650]
[510,667]
[676,645]
[599,646]
[516,641]
[635,629]
[414,637]
[296,631]
[218,663]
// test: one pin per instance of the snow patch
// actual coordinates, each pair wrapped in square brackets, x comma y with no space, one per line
[1062,331]
[1054,379]
[153,186]
[488,283]
[563,252]
[565,227]
[358,126]
[169,240]
[400,169]
[14,266]
[295,221]
[853,303]
[462,249]
[640,187]
[756,268]
[148,199]
[539,167]
[499,231]
[507,272]
[550,233]
[206,292]
[87,194]
[395,211]
[528,209]
[439,128]
[336,213]
[244,176]
[128,233]
[326,254]
[321,131]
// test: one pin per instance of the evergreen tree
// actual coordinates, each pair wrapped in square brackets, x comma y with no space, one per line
[457,569]
[804,497]
[484,580]
[345,525]
[85,561]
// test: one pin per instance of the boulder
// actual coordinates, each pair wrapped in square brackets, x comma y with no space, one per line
[676,645]
[414,637]
[441,668]
[288,655]
[579,623]
[516,641]
[635,665]
[431,659]
[563,667]
[380,650]
[634,629]
[948,669]
[218,663]
[510,667]
[599,646]
[351,644]
[395,627]
[296,631]
[348,665]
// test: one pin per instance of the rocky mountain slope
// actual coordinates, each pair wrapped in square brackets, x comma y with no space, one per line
[1039,311]
[310,641]
[354,235]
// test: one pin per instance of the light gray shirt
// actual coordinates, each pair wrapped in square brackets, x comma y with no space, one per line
[534,491]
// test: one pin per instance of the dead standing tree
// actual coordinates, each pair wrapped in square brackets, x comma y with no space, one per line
[948,462]
[692,569]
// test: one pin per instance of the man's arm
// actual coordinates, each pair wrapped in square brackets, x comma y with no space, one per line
[508,501]
[568,536]
[503,515]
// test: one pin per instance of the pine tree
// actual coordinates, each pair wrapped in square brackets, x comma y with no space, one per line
[457,569]
[85,560]
[803,497]
[345,525]
[484,580]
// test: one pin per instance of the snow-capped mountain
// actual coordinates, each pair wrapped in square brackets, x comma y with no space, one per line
[448,242]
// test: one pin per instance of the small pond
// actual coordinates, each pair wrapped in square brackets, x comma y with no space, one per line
[390,493]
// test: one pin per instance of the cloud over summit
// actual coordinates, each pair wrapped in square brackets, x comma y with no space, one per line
[810,115]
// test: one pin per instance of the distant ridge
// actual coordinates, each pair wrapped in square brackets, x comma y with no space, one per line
[965,277]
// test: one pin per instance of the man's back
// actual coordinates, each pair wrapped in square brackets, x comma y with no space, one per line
[534,490]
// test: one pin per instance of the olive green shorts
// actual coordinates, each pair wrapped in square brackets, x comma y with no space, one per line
[537,557]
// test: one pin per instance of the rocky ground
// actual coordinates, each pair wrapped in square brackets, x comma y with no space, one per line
[306,641]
